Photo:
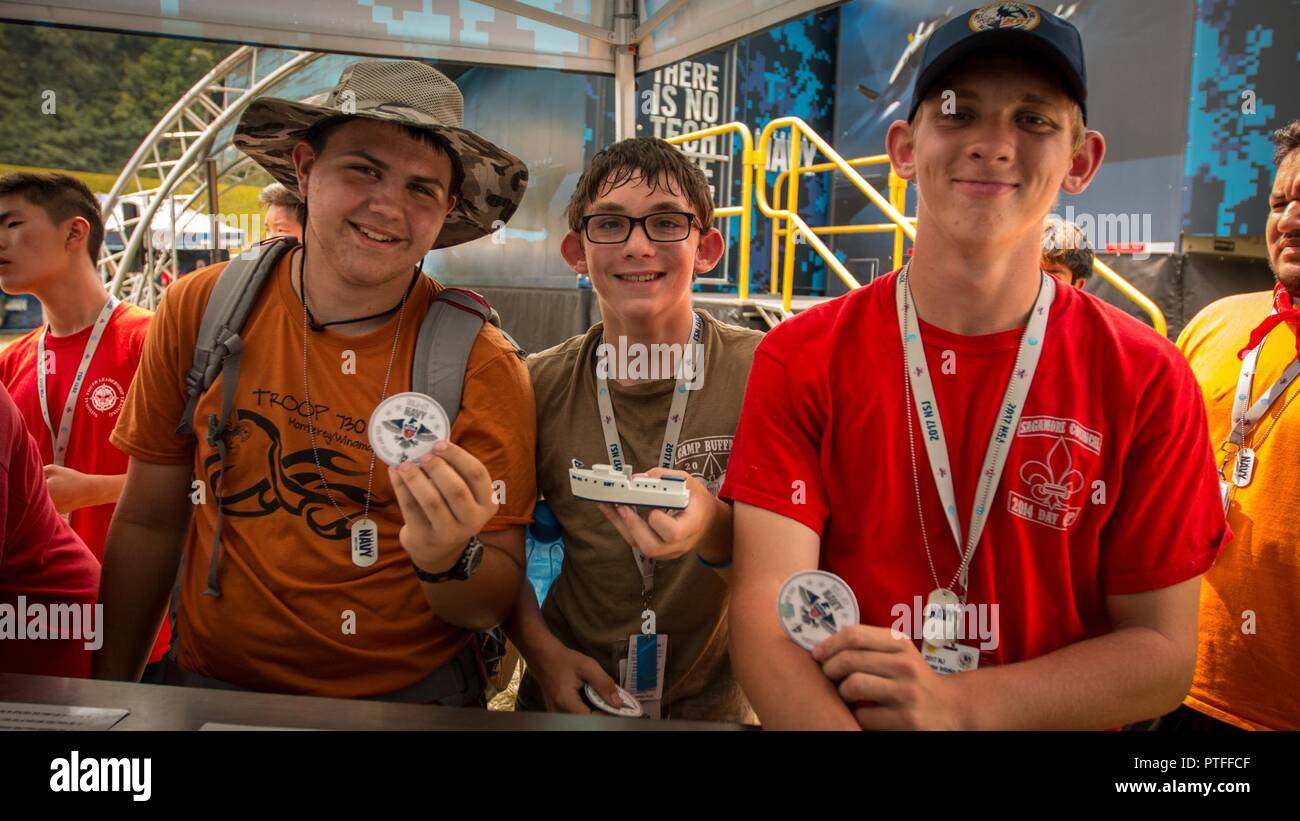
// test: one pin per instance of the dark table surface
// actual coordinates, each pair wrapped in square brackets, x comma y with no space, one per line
[156,707]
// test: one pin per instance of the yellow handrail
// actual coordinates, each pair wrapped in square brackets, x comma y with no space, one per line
[748,163]
[897,196]
[1126,288]
[754,190]
[896,186]
[797,127]
[791,207]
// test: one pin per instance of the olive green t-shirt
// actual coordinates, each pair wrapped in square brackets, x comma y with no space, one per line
[594,604]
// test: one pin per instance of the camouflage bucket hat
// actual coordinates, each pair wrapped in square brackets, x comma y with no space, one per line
[400,91]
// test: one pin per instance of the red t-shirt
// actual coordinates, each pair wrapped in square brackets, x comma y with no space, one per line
[41,558]
[1109,486]
[102,392]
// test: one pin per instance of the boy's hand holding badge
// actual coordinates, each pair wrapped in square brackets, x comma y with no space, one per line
[444,491]
[879,673]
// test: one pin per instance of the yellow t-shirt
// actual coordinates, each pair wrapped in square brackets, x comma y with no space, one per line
[288,584]
[1247,665]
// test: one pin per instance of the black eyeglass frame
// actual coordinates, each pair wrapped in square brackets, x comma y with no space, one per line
[632,222]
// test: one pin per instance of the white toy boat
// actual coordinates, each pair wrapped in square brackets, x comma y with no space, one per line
[601,483]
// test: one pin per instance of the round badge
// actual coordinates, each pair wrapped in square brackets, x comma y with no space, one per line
[813,605]
[1002,16]
[631,707]
[406,426]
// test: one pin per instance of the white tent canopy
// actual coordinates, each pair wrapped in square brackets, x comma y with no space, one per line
[618,37]
[576,35]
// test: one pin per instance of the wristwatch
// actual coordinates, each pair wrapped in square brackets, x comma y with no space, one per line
[462,570]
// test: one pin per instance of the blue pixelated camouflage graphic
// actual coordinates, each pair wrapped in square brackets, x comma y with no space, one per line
[477,24]
[789,70]
[1245,49]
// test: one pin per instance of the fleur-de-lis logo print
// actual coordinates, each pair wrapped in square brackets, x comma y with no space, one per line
[1054,480]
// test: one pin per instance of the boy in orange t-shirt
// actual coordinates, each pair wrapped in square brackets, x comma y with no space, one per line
[282,606]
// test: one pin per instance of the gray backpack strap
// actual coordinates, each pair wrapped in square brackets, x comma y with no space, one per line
[228,307]
[218,347]
[442,348]
[216,427]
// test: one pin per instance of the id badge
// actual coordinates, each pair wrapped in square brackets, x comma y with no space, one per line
[643,673]
[951,658]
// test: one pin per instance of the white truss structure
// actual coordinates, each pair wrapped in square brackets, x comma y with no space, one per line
[170,168]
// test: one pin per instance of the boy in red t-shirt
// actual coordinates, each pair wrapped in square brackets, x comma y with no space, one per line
[43,565]
[967,435]
[51,231]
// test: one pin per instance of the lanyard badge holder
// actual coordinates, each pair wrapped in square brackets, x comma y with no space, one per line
[1245,416]
[642,659]
[943,607]
[59,440]
[641,662]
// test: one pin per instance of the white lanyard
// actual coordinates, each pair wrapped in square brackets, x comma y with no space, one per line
[927,408]
[687,367]
[59,441]
[1244,416]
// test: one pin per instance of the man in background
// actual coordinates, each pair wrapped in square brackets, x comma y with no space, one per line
[1067,255]
[283,211]
[1243,350]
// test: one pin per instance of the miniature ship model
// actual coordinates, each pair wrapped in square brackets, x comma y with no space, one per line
[601,483]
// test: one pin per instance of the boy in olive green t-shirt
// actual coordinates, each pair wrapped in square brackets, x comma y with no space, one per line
[641,229]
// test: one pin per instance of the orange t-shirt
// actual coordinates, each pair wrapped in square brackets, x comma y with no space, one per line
[1246,665]
[295,614]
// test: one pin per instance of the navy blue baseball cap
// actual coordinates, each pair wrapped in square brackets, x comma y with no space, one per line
[1017,27]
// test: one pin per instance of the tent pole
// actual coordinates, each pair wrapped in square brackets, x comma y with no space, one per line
[625,19]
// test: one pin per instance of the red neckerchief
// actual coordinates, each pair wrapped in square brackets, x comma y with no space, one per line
[1283,312]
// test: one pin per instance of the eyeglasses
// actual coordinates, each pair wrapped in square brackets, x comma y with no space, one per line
[611,229]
